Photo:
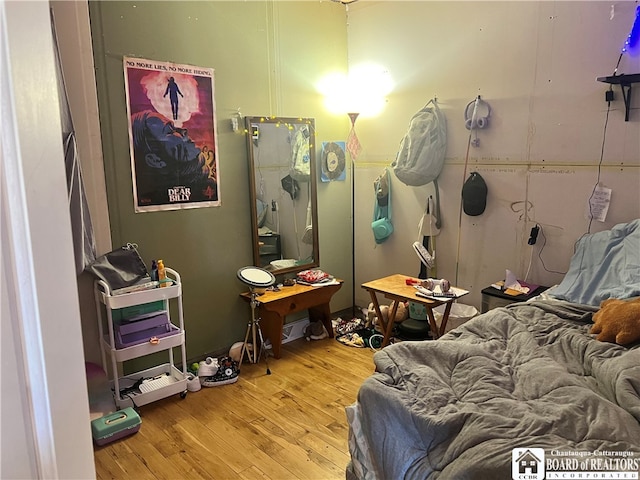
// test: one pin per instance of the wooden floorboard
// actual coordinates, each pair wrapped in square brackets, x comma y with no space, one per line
[287,425]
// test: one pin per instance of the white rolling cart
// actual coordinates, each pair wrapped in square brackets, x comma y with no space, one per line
[154,383]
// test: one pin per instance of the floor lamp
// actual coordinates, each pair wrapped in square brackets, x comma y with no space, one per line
[354,148]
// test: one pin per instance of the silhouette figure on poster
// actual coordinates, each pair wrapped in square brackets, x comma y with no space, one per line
[173,90]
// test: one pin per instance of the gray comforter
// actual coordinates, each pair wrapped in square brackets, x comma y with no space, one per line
[529,375]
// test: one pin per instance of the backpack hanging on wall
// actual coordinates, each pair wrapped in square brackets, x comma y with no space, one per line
[421,155]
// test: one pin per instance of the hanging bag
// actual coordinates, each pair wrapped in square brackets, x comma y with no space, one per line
[474,195]
[300,157]
[381,224]
[120,268]
[421,155]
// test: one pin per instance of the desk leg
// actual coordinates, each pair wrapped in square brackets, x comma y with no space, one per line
[432,323]
[393,309]
[376,308]
[322,313]
[389,326]
[445,318]
[271,324]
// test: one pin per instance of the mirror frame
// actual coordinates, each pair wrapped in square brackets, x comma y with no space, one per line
[253,189]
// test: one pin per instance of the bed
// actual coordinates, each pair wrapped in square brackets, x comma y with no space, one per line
[528,378]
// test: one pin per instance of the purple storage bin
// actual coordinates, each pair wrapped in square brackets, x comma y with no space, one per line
[141,331]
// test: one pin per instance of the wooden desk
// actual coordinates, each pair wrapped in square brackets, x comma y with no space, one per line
[394,287]
[275,306]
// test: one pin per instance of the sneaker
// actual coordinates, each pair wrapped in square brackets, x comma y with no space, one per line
[208,367]
[227,373]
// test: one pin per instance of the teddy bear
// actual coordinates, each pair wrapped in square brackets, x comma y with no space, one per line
[617,321]
[402,313]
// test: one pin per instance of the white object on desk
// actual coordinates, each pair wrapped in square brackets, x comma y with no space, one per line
[437,294]
[511,281]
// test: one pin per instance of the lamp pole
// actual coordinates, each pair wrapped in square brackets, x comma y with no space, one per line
[353,147]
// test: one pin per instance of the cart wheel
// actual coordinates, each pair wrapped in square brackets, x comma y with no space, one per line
[183,395]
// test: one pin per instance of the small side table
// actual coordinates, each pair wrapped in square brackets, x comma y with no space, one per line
[275,306]
[395,288]
[494,298]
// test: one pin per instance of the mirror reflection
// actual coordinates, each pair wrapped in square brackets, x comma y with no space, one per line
[283,190]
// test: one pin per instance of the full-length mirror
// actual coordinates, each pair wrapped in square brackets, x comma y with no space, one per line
[282,175]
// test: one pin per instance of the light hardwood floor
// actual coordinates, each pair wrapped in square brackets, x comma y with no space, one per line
[287,425]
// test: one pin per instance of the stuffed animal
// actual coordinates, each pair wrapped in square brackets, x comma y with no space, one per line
[315,331]
[402,313]
[618,321]
[370,316]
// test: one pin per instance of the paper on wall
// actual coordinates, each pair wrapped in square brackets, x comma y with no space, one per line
[598,204]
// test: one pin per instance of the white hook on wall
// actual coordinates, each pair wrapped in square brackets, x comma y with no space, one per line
[235,120]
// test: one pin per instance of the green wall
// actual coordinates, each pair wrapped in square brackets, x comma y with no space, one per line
[267,58]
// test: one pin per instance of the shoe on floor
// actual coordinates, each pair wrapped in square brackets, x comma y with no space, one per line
[227,373]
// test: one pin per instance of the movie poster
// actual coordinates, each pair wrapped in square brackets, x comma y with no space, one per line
[172,135]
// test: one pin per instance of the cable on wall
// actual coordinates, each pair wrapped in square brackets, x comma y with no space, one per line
[604,137]
[544,243]
[464,177]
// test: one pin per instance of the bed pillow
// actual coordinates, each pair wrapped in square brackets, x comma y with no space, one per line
[605,265]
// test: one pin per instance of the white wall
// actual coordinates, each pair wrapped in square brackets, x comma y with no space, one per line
[44,391]
[536,63]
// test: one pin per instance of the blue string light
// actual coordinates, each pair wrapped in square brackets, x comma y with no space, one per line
[634,34]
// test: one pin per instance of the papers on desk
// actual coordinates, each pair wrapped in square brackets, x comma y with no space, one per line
[321,283]
[514,287]
[437,294]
